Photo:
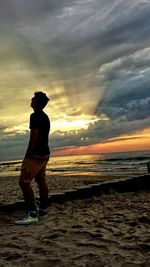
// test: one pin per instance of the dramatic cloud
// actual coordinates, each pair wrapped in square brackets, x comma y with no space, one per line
[90,57]
[127,92]
[99,132]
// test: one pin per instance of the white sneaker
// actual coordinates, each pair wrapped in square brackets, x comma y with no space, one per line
[31,218]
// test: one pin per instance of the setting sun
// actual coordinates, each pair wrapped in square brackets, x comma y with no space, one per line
[73,123]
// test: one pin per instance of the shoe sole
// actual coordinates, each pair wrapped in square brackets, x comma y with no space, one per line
[24,223]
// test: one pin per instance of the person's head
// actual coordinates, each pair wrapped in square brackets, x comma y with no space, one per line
[39,101]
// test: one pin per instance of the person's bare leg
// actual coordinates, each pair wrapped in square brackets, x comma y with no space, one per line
[28,195]
[43,188]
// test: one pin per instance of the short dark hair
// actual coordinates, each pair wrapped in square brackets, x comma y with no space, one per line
[41,99]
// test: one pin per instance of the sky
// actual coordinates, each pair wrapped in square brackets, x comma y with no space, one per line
[92,58]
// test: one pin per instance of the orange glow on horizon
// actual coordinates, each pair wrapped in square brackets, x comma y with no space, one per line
[138,142]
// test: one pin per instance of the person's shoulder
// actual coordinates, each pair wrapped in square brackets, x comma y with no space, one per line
[32,115]
[45,115]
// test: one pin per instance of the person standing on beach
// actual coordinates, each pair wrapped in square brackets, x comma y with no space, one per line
[35,161]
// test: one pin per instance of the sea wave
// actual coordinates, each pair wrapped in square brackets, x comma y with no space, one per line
[105,163]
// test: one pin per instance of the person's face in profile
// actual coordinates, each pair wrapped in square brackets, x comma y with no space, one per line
[33,102]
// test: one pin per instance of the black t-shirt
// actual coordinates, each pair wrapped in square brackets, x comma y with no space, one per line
[39,120]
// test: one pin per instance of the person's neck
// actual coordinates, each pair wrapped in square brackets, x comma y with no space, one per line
[37,110]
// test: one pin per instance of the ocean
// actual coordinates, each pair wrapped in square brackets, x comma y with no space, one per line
[100,164]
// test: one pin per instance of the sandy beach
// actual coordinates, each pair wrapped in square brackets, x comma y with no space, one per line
[107,231]
[10,191]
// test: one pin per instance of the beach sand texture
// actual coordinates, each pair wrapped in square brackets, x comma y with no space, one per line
[107,231]
[10,191]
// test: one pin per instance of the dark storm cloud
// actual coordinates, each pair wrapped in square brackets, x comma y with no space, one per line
[109,129]
[13,146]
[73,38]
[133,26]
[78,24]
[98,132]
[127,87]
[136,107]
[98,51]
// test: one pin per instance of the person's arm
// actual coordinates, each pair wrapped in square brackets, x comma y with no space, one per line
[32,143]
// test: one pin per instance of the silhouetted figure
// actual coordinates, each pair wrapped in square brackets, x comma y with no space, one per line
[35,161]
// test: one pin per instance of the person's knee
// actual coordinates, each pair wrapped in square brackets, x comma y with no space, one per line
[37,178]
[39,182]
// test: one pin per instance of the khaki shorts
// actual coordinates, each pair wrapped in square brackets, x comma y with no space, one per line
[32,167]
